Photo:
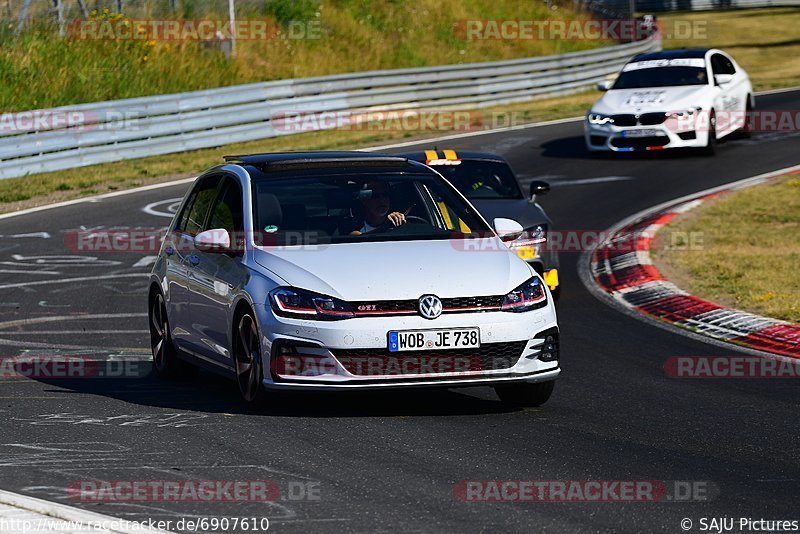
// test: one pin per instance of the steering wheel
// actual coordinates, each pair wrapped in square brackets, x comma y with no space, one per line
[388,226]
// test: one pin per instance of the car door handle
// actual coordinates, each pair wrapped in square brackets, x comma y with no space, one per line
[194,259]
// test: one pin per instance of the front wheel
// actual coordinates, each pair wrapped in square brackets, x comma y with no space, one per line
[556,292]
[165,357]
[525,394]
[747,127]
[247,360]
[711,144]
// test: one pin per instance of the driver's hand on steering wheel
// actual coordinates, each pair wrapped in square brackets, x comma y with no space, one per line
[396,218]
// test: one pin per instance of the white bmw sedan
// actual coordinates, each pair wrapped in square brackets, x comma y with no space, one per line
[671,99]
[347,270]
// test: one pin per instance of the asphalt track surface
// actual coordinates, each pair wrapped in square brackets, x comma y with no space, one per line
[389,461]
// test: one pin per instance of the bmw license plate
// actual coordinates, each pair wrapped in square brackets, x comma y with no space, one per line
[454,338]
[641,133]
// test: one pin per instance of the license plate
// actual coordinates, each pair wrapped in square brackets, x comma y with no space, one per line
[454,338]
[641,133]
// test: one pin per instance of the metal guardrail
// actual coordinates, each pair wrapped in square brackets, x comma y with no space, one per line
[621,8]
[644,6]
[139,127]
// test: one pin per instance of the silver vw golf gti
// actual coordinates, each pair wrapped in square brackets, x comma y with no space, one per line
[347,270]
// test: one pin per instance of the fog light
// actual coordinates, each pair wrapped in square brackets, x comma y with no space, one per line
[548,351]
[297,360]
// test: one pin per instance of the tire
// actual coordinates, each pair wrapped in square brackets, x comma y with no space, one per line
[525,394]
[747,129]
[247,359]
[711,144]
[556,292]
[165,357]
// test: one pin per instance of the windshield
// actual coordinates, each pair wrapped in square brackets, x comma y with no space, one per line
[482,179]
[661,77]
[343,209]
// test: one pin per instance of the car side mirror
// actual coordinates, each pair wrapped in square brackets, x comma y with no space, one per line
[722,79]
[214,240]
[538,188]
[605,85]
[507,229]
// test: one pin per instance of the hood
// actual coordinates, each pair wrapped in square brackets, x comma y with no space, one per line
[652,99]
[398,270]
[522,211]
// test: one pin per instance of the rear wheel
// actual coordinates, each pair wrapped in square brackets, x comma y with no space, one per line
[525,394]
[165,357]
[247,360]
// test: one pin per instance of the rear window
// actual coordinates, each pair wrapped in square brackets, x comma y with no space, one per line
[482,179]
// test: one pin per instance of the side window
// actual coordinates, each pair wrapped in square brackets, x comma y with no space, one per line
[228,212]
[722,65]
[451,220]
[729,66]
[197,206]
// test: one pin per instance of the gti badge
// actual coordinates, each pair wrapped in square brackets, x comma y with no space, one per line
[430,307]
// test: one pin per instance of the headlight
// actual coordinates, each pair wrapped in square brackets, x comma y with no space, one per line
[302,304]
[684,114]
[528,296]
[599,118]
[532,236]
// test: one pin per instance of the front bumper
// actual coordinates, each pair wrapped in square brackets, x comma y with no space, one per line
[612,138]
[353,354]
[541,376]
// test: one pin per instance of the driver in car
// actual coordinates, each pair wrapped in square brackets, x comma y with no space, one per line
[376,210]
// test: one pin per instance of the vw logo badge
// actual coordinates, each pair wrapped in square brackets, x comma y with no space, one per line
[430,306]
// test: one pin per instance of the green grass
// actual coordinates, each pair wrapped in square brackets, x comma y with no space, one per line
[763,41]
[750,250]
[38,69]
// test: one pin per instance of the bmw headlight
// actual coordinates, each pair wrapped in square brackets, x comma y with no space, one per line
[529,296]
[598,118]
[303,304]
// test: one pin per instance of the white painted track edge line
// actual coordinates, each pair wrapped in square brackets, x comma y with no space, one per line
[63,512]
[96,197]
